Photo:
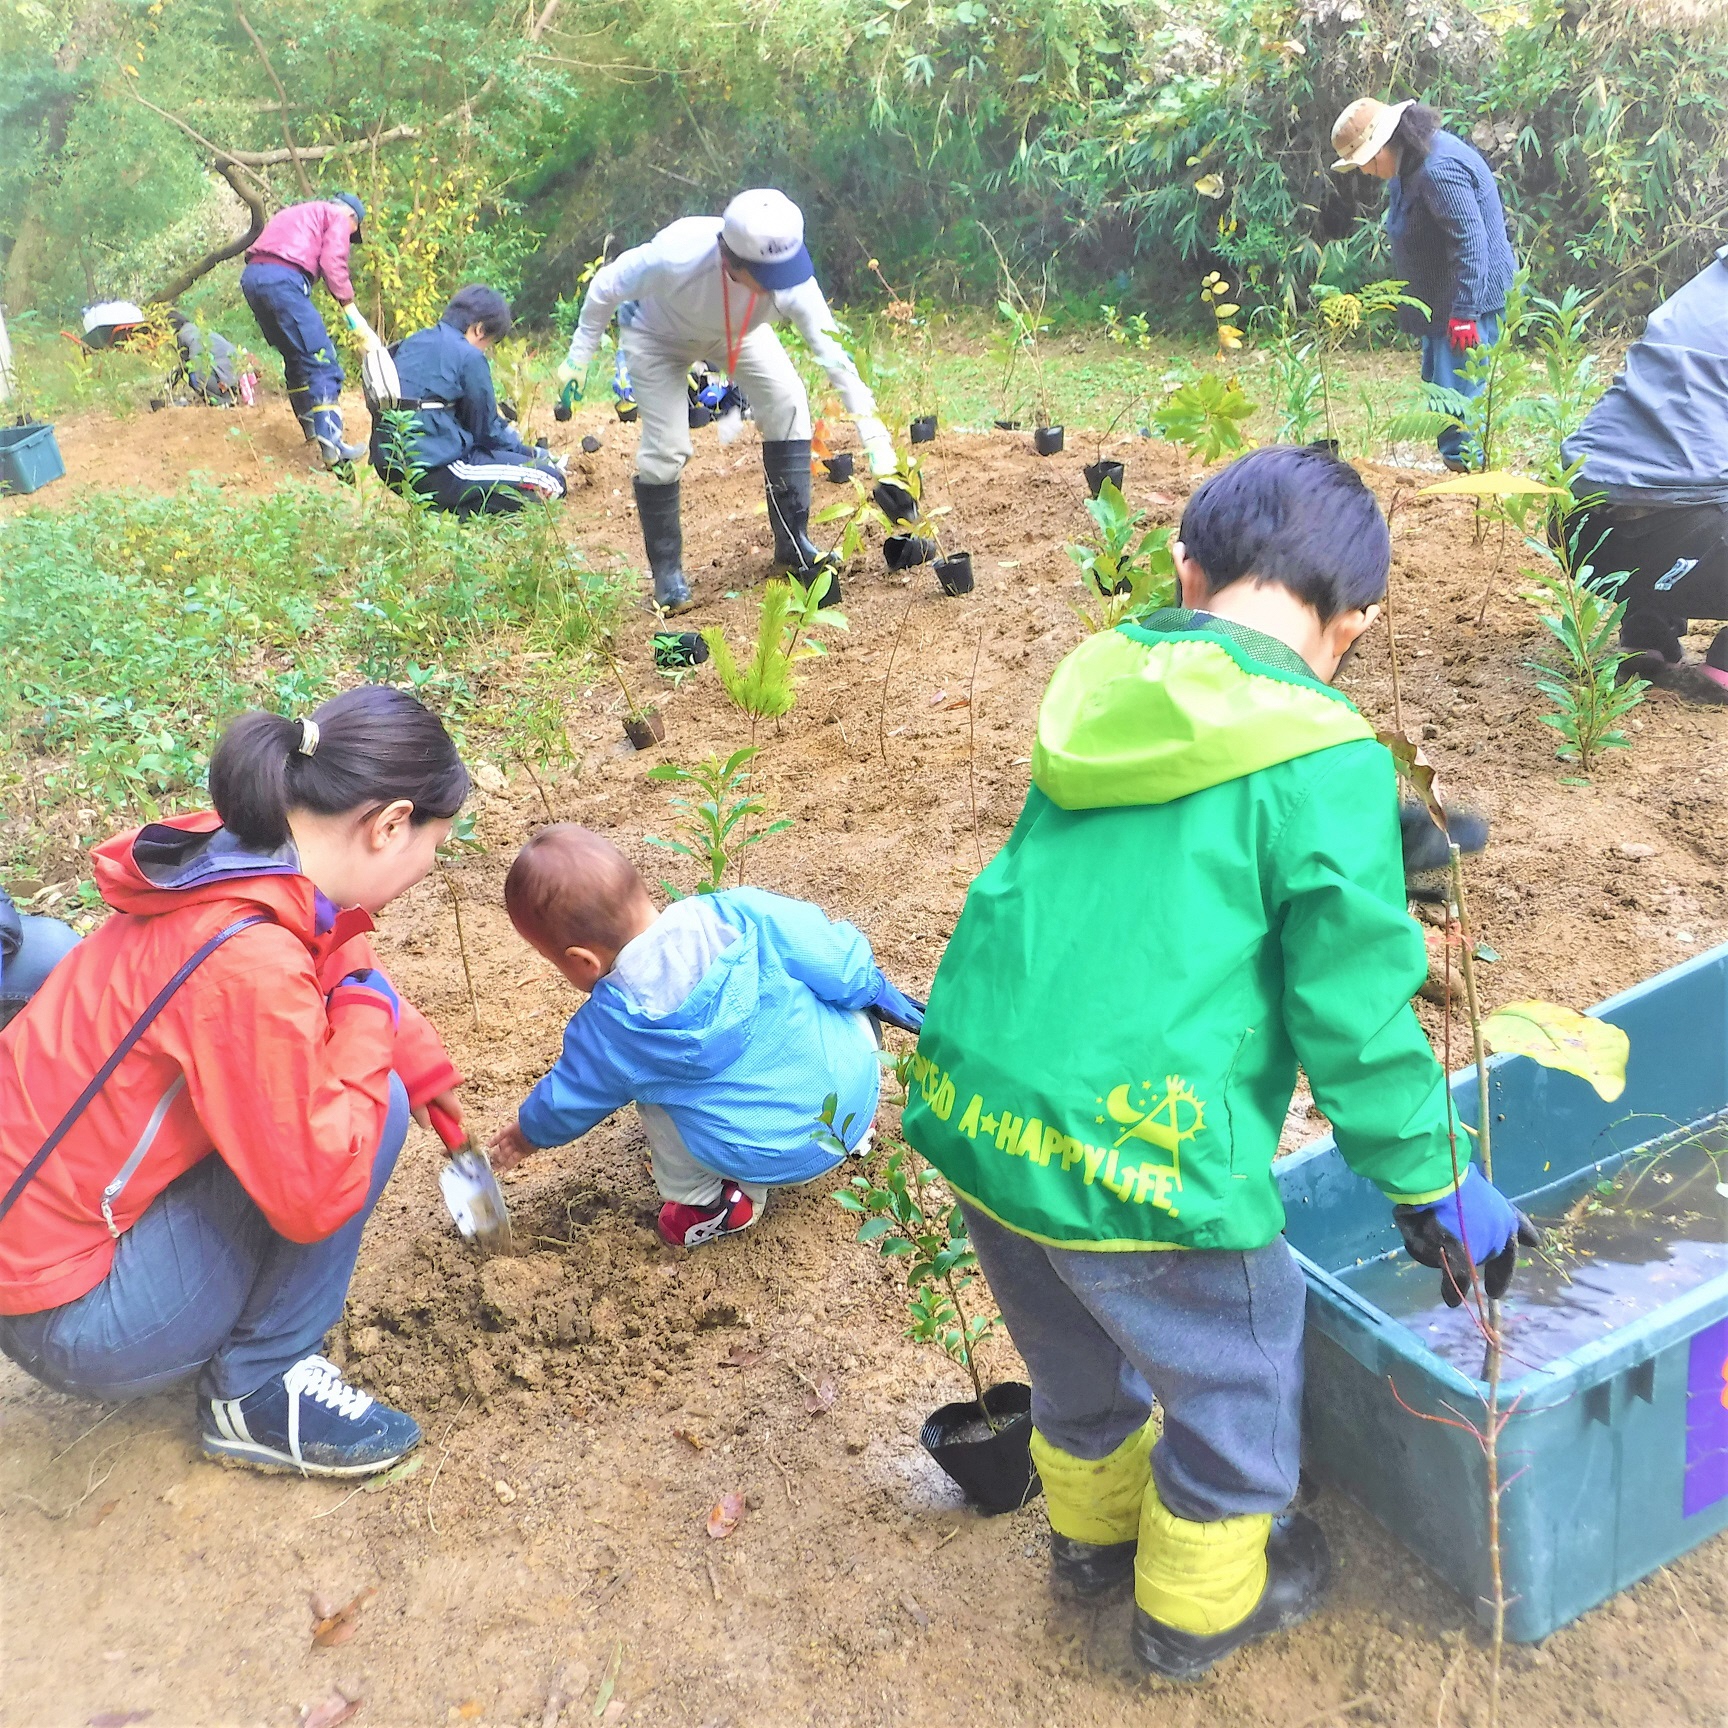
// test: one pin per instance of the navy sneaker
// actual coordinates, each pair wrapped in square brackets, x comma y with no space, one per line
[310,1421]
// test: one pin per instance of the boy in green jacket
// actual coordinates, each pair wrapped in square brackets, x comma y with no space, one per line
[1204,889]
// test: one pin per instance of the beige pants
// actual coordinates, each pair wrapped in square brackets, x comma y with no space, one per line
[659,375]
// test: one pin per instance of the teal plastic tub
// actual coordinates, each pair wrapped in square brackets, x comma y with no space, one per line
[1617,1453]
[29,458]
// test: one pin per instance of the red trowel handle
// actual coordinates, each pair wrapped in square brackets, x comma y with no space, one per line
[447,1128]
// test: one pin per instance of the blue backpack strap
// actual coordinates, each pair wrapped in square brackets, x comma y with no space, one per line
[101,1077]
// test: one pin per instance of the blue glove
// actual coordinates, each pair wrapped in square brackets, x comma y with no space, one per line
[1477,1213]
[906,1012]
[374,981]
[621,386]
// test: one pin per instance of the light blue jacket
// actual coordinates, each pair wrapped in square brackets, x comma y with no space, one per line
[736,1014]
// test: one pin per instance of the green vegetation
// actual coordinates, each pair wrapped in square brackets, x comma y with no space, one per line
[1127,569]
[132,627]
[713,818]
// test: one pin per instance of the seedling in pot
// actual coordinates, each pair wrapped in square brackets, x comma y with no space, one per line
[909,1217]
[838,468]
[923,429]
[1128,569]
[679,650]
[1016,343]
[954,574]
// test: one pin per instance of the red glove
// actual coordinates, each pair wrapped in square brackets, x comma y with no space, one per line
[1461,332]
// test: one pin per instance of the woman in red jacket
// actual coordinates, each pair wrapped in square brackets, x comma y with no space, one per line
[202,1213]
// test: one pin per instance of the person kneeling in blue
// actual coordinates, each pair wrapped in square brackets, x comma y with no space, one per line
[729,1018]
[456,451]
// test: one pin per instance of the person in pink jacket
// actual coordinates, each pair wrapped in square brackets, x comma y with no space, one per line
[301,245]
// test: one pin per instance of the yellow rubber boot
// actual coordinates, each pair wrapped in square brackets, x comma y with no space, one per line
[1095,1511]
[1204,1590]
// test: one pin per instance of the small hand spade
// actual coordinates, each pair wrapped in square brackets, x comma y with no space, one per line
[471,1190]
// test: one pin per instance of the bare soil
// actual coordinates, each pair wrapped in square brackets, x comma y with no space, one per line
[589,1401]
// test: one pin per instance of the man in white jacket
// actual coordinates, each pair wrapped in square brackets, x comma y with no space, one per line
[709,288]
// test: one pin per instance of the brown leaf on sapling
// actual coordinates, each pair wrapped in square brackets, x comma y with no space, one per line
[726,1513]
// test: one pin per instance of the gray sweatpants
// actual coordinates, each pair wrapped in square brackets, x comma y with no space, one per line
[1215,1336]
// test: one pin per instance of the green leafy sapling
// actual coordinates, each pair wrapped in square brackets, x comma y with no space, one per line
[1205,417]
[1127,568]
[713,819]
[909,1217]
[764,687]
[1580,674]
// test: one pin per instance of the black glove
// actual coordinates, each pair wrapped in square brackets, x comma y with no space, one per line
[895,501]
[1434,1236]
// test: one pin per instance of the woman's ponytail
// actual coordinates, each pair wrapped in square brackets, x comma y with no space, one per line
[359,751]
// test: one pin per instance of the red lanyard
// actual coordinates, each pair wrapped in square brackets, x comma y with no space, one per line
[726,313]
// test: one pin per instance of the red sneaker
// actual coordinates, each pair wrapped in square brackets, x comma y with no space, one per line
[691,1226]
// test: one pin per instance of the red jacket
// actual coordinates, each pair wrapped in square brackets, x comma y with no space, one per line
[312,237]
[247,1058]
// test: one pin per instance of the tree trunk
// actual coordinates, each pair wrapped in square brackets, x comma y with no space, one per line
[254,202]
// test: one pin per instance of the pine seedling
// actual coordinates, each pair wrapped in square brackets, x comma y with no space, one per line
[765,687]
[713,820]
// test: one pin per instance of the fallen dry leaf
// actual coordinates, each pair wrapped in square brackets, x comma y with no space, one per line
[724,1518]
[739,1356]
[119,1718]
[691,1437]
[105,1510]
[327,1712]
[331,1629]
[821,1396]
[470,1708]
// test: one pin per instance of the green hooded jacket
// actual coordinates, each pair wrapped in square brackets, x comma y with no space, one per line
[1205,887]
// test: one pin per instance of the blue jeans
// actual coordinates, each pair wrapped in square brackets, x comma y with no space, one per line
[1442,364]
[1216,1336]
[202,1284]
[46,943]
[281,300]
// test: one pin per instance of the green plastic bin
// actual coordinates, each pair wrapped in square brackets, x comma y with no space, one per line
[1618,1452]
[29,458]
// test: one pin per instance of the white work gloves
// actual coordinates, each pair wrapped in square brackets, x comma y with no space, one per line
[878,446]
[566,373]
[357,323]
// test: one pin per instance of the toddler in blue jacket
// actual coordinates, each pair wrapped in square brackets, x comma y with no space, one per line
[727,1019]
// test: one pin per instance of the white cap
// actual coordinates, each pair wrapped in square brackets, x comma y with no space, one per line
[764,230]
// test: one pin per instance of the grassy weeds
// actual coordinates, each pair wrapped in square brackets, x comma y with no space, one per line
[132,627]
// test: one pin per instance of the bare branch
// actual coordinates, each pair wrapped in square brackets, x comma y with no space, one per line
[254,202]
[281,97]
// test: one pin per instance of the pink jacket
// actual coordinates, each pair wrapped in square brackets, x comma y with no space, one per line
[313,238]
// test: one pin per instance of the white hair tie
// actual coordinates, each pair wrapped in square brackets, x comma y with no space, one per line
[308,745]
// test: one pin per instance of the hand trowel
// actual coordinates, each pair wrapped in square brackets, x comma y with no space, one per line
[471,1190]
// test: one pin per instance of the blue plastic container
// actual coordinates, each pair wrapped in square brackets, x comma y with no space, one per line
[29,458]
[1619,1450]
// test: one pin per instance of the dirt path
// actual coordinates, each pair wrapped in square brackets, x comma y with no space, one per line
[586,1403]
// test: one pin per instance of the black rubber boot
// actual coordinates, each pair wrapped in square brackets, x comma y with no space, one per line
[663,538]
[1298,1575]
[786,463]
[1085,1571]
[1649,631]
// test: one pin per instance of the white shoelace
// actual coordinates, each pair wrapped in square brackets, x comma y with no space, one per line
[317,1378]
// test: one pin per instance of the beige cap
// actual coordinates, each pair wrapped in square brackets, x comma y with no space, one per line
[1363,130]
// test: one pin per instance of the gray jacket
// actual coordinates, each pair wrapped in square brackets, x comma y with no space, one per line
[1660,434]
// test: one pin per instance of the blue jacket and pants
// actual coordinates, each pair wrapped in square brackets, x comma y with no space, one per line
[281,300]
[1449,245]
[466,457]
[737,1015]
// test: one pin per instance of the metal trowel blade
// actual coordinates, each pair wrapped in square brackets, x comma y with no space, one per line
[476,1201]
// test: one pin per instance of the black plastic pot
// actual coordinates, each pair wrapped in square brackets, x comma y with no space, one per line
[907,551]
[1047,440]
[895,501]
[954,573]
[700,415]
[994,1471]
[1329,445]
[923,429]
[1008,425]
[158,403]
[1098,472]
[824,577]
[590,444]
[680,648]
[645,730]
[561,413]
[629,412]
[838,468]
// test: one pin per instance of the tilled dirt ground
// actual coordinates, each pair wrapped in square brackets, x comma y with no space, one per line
[587,1402]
